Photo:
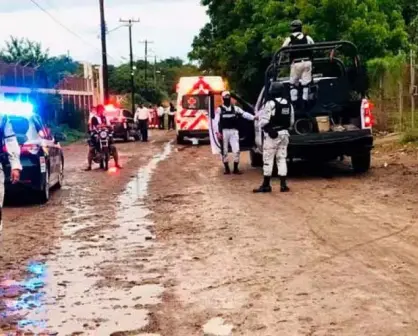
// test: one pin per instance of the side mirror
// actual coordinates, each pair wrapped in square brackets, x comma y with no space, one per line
[59,137]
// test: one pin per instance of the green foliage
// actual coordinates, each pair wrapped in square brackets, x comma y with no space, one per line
[24,51]
[56,68]
[411,136]
[391,67]
[242,34]
[71,135]
[161,79]
[30,53]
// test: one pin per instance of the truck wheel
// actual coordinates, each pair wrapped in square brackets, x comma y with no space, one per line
[256,159]
[361,162]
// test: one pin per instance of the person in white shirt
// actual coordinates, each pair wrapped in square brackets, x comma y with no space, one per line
[142,116]
[301,62]
[160,113]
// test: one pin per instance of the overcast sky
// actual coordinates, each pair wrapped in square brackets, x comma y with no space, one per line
[170,24]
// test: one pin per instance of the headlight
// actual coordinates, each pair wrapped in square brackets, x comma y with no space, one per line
[103,134]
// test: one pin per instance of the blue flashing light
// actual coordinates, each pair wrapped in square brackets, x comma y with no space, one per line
[37,268]
[16,108]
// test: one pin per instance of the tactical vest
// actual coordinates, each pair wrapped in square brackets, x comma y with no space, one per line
[228,119]
[281,117]
[294,41]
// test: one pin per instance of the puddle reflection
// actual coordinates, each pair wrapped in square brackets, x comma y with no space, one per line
[19,298]
[98,287]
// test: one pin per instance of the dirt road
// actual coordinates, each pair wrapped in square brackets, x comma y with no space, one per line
[172,247]
[337,256]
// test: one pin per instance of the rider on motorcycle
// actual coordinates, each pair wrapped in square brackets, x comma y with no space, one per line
[96,122]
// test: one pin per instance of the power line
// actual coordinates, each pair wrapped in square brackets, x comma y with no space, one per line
[66,28]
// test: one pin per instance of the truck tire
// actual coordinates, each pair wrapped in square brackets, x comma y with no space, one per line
[256,159]
[361,162]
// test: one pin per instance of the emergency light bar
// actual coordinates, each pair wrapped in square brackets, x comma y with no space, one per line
[16,108]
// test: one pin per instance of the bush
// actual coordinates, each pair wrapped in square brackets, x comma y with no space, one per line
[410,136]
[71,135]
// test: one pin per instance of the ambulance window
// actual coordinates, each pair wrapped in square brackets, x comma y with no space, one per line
[195,102]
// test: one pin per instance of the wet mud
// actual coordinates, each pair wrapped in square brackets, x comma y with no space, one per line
[98,276]
[335,256]
[169,246]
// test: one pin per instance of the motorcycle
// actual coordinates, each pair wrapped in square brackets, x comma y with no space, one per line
[102,154]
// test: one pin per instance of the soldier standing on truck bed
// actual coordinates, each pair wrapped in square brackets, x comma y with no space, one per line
[300,62]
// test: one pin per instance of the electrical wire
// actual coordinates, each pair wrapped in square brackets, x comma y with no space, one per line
[68,29]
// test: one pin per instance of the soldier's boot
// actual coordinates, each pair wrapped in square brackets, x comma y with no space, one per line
[227,169]
[236,169]
[265,186]
[283,184]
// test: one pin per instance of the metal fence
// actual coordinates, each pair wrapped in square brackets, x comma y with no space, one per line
[17,75]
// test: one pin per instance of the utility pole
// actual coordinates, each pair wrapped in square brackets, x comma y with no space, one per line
[146,42]
[155,70]
[130,22]
[104,53]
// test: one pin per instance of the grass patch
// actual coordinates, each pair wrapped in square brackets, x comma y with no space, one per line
[410,136]
[71,135]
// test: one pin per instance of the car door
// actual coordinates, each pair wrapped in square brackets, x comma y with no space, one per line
[129,119]
[246,127]
[212,125]
[50,149]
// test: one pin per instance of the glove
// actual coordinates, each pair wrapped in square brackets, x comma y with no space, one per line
[273,133]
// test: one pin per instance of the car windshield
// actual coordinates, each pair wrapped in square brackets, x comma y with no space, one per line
[24,128]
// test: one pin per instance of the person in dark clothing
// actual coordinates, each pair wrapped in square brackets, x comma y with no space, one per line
[171,115]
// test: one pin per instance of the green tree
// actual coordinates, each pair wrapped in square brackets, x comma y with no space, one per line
[161,79]
[24,51]
[58,67]
[241,36]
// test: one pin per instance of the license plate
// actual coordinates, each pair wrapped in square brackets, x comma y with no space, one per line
[42,163]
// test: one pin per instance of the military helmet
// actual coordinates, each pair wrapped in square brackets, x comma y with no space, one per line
[296,25]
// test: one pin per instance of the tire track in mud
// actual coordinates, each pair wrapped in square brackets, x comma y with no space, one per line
[334,257]
[101,278]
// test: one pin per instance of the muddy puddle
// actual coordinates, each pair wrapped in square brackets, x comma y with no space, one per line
[101,279]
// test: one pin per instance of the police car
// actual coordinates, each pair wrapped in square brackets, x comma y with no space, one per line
[41,155]
[123,123]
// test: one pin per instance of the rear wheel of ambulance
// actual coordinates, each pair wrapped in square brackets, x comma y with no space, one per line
[180,138]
